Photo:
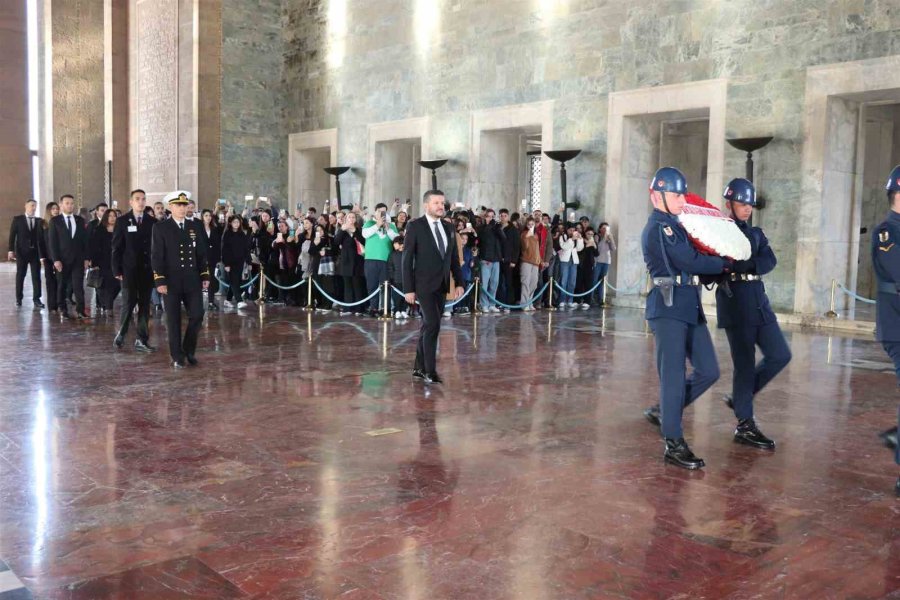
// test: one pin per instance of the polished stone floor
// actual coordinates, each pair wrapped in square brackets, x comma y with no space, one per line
[301,461]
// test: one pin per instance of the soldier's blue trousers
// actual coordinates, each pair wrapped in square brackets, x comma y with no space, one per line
[676,342]
[893,350]
[750,377]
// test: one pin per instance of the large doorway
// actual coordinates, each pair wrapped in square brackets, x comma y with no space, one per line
[508,161]
[688,134]
[309,154]
[399,173]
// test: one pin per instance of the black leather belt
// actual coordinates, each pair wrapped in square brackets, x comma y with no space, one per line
[744,277]
[677,280]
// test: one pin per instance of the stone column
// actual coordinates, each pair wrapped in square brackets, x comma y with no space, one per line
[15,157]
[78,100]
[175,97]
[116,107]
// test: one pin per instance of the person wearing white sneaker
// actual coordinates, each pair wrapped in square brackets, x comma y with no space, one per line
[570,244]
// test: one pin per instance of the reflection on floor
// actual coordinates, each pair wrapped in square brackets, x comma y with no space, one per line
[274,471]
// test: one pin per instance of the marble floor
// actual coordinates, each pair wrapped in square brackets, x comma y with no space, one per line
[300,460]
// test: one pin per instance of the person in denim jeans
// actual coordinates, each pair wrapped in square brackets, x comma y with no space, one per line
[490,251]
[570,244]
[606,245]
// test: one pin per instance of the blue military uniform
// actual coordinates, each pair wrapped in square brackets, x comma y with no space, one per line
[886,260]
[744,312]
[676,314]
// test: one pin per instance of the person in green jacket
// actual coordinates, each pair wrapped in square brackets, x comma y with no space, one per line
[379,234]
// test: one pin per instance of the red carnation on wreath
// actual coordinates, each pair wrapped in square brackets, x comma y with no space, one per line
[711,231]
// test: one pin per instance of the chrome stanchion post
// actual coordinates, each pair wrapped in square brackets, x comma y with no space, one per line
[831,314]
[262,286]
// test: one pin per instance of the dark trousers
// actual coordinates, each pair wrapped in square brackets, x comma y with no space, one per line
[136,288]
[235,278]
[398,301]
[750,377]
[507,290]
[193,303]
[287,278]
[108,290]
[50,280]
[677,341]
[71,281]
[354,291]
[22,265]
[376,274]
[432,307]
[893,350]
[211,290]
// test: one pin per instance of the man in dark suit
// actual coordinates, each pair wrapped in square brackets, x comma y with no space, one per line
[429,256]
[24,247]
[131,242]
[68,246]
[180,274]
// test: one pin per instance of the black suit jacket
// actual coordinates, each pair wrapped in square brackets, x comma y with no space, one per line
[424,269]
[131,244]
[26,244]
[62,246]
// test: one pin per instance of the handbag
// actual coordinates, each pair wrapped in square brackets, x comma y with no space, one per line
[92,278]
[326,266]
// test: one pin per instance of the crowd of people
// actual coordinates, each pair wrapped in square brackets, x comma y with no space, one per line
[349,251]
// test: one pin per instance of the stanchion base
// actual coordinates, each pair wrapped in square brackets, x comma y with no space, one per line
[831,314]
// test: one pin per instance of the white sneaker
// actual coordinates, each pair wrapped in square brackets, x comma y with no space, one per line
[404,315]
[229,304]
[242,305]
[585,306]
[494,309]
[446,314]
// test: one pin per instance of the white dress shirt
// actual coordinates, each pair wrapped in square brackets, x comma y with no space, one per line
[441,232]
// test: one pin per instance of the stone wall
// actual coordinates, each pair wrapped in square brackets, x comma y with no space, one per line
[254,141]
[348,63]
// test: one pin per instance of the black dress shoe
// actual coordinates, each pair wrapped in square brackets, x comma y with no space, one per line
[889,438]
[433,378]
[729,401]
[418,374]
[749,434]
[678,454]
[39,304]
[177,364]
[652,414]
[18,304]
[143,347]
[119,341]
[213,306]
[192,360]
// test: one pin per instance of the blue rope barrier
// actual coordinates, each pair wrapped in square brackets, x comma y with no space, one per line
[244,286]
[573,294]
[626,290]
[449,304]
[281,287]
[534,298]
[339,303]
[855,295]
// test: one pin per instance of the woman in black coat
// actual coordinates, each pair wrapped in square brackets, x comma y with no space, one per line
[101,256]
[235,254]
[50,211]
[350,263]
[212,235]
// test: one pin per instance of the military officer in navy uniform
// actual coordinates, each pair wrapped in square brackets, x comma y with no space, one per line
[180,274]
[675,313]
[744,312]
[886,260]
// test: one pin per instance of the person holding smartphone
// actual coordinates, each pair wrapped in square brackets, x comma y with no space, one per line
[379,234]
